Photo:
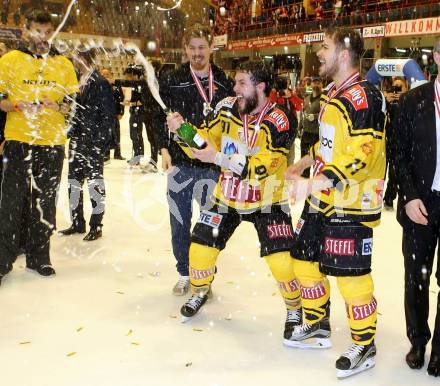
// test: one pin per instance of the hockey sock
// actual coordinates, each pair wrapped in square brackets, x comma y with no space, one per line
[202,267]
[361,307]
[281,266]
[315,291]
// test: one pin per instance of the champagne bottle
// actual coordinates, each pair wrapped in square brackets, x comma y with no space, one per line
[188,133]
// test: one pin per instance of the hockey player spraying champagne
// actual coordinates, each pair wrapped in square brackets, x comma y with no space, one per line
[249,138]
[334,235]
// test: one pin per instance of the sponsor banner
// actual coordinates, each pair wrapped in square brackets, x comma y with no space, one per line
[339,247]
[299,226]
[313,38]
[201,274]
[10,33]
[364,311]
[270,41]
[377,31]
[313,292]
[390,67]
[211,219]
[367,247]
[221,40]
[429,25]
[279,231]
[290,286]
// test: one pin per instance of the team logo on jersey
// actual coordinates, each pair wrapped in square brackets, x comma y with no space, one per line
[357,97]
[299,226]
[278,118]
[279,231]
[339,247]
[211,219]
[367,247]
[230,148]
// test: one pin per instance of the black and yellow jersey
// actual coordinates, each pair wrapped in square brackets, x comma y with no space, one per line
[351,153]
[261,184]
[31,78]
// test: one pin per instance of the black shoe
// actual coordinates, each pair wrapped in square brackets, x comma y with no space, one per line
[416,357]
[95,233]
[43,269]
[434,365]
[120,157]
[72,230]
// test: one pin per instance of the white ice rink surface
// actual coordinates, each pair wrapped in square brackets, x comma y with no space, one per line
[109,318]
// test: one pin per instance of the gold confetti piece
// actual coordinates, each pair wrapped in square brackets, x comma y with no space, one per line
[71,354]
[154,274]
[173,316]
[27,342]
[228,318]
[197,329]
[79,329]
[129,332]
[120,292]
[379,313]
[229,282]
[188,364]
[135,344]
[274,294]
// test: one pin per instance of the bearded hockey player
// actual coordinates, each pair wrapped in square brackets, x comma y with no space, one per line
[249,138]
[334,235]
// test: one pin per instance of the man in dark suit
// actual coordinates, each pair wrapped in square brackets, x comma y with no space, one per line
[90,137]
[417,164]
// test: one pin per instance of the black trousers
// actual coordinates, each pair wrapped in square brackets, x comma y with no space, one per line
[307,141]
[418,246]
[117,148]
[137,121]
[86,162]
[136,127]
[391,190]
[31,179]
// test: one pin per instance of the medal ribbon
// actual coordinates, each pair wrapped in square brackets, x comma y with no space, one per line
[335,91]
[200,86]
[437,96]
[259,118]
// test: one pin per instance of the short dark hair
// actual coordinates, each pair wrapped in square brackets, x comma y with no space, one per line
[89,55]
[259,72]
[198,31]
[347,39]
[38,16]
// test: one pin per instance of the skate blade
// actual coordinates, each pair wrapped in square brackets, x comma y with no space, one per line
[311,343]
[368,364]
[185,319]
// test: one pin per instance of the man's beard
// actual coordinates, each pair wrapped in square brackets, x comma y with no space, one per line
[250,103]
[316,90]
[39,48]
[330,72]
[196,64]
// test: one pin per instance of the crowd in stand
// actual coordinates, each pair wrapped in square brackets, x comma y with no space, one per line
[240,15]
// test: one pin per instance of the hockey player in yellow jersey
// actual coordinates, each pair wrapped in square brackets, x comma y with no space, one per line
[334,235]
[249,138]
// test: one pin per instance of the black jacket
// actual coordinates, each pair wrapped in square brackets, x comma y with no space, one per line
[118,97]
[179,93]
[95,116]
[415,149]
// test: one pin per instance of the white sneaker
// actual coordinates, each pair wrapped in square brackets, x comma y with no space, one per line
[182,286]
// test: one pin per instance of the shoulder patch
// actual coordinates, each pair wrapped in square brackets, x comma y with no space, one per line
[279,119]
[357,97]
[226,102]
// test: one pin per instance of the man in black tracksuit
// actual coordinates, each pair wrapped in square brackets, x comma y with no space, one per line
[90,137]
[181,91]
[118,97]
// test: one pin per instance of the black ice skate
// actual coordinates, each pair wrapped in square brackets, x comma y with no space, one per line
[293,319]
[193,305]
[356,359]
[306,335]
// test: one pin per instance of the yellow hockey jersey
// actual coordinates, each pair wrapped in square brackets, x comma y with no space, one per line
[26,77]
[261,183]
[351,153]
